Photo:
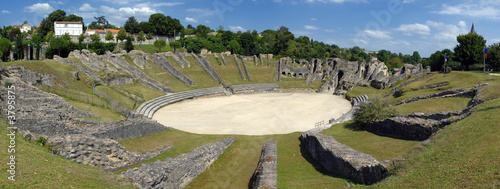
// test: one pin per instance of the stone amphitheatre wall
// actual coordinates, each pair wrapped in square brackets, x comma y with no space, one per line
[179,171]
[342,160]
[266,174]
[161,61]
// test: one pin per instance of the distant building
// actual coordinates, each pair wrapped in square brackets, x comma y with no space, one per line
[369,52]
[71,28]
[102,33]
[212,33]
[26,28]
[373,58]
[472,30]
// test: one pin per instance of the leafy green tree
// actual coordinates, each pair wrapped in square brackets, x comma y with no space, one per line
[415,57]
[58,44]
[147,27]
[18,46]
[37,41]
[122,34]
[175,45]
[159,21]
[95,38]
[202,31]
[149,36]
[283,35]
[395,62]
[128,44]
[160,44]
[49,36]
[14,33]
[47,24]
[80,40]
[109,36]
[436,60]
[66,37]
[469,50]
[384,55]
[493,59]
[1,55]
[234,46]
[141,38]
[131,25]
[5,47]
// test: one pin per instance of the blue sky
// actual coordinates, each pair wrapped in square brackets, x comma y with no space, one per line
[396,25]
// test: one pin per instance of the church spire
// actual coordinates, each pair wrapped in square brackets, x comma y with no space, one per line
[472,30]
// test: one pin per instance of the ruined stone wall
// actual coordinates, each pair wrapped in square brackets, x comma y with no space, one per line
[342,160]
[161,61]
[123,130]
[266,174]
[179,171]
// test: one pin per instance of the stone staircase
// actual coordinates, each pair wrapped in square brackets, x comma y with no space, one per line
[148,108]
[161,61]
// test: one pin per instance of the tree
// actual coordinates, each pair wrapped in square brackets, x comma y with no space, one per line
[374,111]
[58,44]
[47,24]
[49,36]
[415,57]
[176,45]
[13,33]
[109,36]
[160,44]
[122,34]
[95,38]
[469,49]
[149,36]
[202,31]
[234,46]
[383,55]
[5,46]
[146,27]
[66,37]
[128,44]
[283,35]
[395,62]
[436,60]
[131,25]
[493,59]
[159,21]
[141,38]
[80,40]
[37,41]
[18,46]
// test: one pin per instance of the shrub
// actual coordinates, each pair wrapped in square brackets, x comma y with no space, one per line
[7,84]
[42,141]
[374,111]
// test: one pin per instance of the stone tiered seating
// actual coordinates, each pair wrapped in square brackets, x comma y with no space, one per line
[267,87]
[148,108]
[359,100]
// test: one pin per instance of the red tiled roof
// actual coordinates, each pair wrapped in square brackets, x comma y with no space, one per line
[114,31]
[96,30]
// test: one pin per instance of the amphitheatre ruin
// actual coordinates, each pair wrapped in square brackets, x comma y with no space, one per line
[224,96]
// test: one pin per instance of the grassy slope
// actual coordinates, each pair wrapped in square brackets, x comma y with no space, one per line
[36,167]
[464,155]
[230,73]
[151,49]
[160,75]
[196,73]
[434,105]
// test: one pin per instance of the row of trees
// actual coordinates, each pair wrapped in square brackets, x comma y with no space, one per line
[158,24]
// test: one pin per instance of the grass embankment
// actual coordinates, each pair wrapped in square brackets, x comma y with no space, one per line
[195,72]
[157,73]
[36,167]
[151,49]
[464,155]
[230,74]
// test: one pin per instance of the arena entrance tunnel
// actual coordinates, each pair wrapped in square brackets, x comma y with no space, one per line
[253,114]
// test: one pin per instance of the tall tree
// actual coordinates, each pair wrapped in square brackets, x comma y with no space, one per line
[37,41]
[47,24]
[415,57]
[202,31]
[493,59]
[147,27]
[95,38]
[18,46]
[109,36]
[80,40]
[128,44]
[141,38]
[131,25]
[49,36]
[283,35]
[122,34]
[175,45]
[58,44]
[469,50]
[5,47]
[159,22]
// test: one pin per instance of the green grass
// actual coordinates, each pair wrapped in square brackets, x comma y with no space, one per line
[36,167]
[151,49]
[229,73]
[103,113]
[381,148]
[157,73]
[196,73]
[434,105]
[140,90]
[464,155]
[118,97]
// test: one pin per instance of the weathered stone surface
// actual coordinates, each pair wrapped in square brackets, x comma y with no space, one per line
[342,160]
[408,82]
[266,174]
[179,171]
[123,130]
[239,67]
[31,77]
[446,94]
[105,153]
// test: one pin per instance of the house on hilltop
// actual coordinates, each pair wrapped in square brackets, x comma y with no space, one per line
[74,29]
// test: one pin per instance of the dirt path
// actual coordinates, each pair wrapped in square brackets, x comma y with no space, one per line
[254,114]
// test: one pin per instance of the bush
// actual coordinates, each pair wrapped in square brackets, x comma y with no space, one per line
[128,45]
[374,111]
[49,53]
[7,84]
[42,141]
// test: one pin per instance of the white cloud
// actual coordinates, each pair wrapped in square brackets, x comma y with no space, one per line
[57,2]
[399,42]
[121,2]
[378,34]
[207,22]
[118,16]
[412,29]
[408,1]
[309,27]
[237,28]
[329,30]
[40,8]
[191,20]
[483,8]
[446,37]
[168,4]
[6,11]
[86,7]
[314,19]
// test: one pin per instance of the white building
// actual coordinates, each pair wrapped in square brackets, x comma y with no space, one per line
[72,28]
[26,28]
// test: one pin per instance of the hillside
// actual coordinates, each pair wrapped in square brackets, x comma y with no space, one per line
[464,154]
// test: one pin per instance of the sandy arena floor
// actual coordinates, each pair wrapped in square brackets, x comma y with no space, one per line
[253,114]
